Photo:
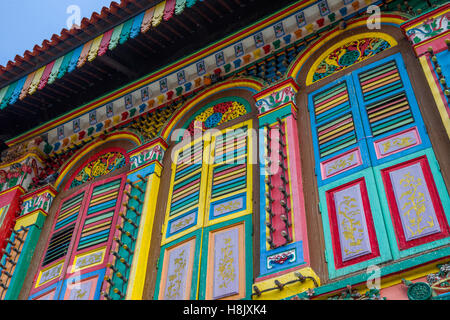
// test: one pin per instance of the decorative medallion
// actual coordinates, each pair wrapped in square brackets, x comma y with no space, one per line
[418,290]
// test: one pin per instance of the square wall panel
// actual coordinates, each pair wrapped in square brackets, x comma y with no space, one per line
[355,236]
[416,203]
[177,270]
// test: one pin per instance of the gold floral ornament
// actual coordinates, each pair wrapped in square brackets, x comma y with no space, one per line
[226,265]
[351,226]
[341,164]
[415,205]
[397,143]
[175,281]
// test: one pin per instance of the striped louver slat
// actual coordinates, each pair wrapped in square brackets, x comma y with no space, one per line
[230,163]
[96,228]
[186,187]
[64,228]
[335,125]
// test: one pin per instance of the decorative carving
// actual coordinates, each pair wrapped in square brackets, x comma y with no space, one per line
[39,201]
[182,222]
[169,9]
[51,273]
[150,124]
[341,163]
[353,233]
[104,164]
[418,290]
[276,99]
[89,259]
[430,28]
[177,273]
[158,14]
[415,206]
[414,202]
[216,115]
[397,143]
[49,172]
[352,294]
[352,52]
[281,258]
[179,6]
[440,281]
[226,269]
[228,206]
[19,173]
[153,153]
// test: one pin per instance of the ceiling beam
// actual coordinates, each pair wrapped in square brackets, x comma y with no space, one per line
[117,66]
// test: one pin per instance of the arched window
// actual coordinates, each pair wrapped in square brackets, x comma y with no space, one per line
[207,246]
[381,194]
[77,251]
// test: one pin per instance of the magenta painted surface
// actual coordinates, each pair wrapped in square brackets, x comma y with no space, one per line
[437,44]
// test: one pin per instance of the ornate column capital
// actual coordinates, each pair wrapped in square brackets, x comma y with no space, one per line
[430,29]
[276,96]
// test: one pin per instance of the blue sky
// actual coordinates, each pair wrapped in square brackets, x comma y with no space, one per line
[24,23]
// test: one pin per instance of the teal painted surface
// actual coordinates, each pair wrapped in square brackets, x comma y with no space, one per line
[378,222]
[384,271]
[125,34]
[3,92]
[21,270]
[248,229]
[115,37]
[65,64]
[445,296]
[8,95]
[127,227]
[271,116]
[443,194]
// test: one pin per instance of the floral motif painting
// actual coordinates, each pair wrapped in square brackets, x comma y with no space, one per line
[216,115]
[352,52]
[17,173]
[102,165]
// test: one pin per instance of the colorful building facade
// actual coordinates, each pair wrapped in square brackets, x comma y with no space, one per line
[303,155]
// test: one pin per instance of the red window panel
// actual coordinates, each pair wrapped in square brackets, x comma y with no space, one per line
[416,210]
[352,228]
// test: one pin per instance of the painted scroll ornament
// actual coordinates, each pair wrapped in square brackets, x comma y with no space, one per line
[275,99]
